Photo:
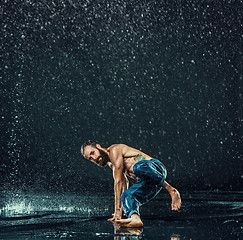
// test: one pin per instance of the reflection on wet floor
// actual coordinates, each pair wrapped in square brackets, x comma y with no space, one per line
[203,215]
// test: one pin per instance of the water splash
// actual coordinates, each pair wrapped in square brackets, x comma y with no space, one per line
[34,203]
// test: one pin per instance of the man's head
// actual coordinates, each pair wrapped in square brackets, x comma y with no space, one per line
[94,152]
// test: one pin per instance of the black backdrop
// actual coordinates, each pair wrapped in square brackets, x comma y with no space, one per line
[162,76]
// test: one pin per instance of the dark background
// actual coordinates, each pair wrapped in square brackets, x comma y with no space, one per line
[161,76]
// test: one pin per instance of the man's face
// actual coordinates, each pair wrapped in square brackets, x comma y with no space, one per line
[95,155]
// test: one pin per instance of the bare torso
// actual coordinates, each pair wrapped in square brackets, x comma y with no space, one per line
[130,157]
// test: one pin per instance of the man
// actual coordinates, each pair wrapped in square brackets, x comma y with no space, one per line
[126,162]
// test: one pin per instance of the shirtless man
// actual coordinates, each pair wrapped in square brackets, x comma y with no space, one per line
[126,162]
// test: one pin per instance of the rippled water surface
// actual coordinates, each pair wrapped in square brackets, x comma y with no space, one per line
[204,215]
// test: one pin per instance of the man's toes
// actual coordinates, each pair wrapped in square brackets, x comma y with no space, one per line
[175,208]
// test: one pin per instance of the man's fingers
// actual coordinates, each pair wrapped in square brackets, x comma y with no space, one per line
[114,219]
[111,219]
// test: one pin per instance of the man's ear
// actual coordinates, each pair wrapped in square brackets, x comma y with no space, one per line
[98,146]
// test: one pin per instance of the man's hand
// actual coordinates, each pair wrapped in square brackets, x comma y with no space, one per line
[116,216]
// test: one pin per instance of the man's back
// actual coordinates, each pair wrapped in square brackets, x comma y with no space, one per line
[130,157]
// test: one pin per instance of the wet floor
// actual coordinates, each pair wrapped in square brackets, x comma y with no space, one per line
[204,215]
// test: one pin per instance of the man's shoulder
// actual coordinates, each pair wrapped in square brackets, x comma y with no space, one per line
[117,147]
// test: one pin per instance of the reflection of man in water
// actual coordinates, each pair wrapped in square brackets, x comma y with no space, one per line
[126,161]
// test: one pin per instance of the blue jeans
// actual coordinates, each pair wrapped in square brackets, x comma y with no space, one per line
[151,176]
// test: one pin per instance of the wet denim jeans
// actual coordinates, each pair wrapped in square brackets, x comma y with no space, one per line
[151,176]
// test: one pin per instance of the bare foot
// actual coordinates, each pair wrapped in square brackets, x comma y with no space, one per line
[133,221]
[176,200]
[127,230]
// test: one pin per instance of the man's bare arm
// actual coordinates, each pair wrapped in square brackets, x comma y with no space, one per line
[116,158]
